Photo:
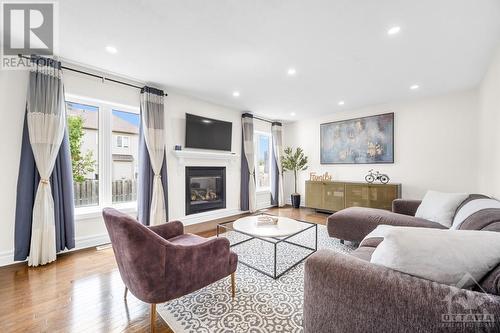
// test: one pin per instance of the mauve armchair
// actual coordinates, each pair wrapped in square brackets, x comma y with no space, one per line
[160,263]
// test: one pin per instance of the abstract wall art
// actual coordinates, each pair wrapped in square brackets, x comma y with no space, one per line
[358,141]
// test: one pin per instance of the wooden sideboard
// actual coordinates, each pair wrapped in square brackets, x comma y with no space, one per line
[334,196]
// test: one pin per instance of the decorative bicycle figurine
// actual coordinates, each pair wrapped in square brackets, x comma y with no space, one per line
[371,177]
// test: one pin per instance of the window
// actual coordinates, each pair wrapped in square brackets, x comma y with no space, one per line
[263,161]
[125,127]
[104,148]
[122,141]
[83,132]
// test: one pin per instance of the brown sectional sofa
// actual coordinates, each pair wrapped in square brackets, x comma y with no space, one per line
[354,223]
[347,293]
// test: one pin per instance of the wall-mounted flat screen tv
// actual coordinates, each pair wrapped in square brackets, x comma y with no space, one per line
[207,133]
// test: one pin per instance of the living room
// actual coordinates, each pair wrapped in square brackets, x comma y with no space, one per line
[265,166]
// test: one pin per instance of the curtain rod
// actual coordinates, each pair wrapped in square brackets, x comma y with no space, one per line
[267,121]
[262,119]
[91,74]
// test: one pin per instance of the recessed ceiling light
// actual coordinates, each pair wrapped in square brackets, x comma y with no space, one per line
[291,71]
[111,49]
[341,103]
[236,94]
[394,30]
[414,87]
[292,114]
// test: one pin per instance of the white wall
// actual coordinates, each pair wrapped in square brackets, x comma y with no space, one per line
[489,133]
[435,145]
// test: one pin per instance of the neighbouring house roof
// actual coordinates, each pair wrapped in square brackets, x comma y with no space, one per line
[91,121]
[123,158]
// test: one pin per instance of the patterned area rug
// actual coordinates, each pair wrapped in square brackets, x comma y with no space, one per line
[262,304]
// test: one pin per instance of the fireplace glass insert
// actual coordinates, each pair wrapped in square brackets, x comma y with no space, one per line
[205,189]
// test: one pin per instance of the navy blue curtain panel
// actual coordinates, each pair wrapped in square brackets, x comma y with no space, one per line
[61,182]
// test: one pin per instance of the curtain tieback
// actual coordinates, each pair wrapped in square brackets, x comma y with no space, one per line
[44,181]
[158,176]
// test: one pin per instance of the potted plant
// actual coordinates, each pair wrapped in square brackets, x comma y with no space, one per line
[294,161]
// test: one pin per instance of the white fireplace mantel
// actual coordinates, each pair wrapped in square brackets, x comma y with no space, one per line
[187,154]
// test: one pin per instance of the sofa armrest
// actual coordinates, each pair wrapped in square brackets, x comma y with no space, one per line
[192,267]
[405,207]
[346,294]
[168,230]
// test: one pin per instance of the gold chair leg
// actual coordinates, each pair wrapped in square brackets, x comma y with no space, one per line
[233,284]
[125,293]
[153,318]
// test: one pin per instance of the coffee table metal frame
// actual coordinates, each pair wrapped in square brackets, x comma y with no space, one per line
[275,241]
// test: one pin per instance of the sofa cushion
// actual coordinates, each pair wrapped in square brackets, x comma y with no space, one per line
[453,257]
[440,207]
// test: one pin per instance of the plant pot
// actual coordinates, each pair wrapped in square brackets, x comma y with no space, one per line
[295,200]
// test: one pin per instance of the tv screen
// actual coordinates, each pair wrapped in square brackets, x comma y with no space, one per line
[207,133]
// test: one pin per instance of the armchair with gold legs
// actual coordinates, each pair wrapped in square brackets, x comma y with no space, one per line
[160,263]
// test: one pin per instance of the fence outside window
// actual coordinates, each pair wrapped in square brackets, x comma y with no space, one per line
[87,192]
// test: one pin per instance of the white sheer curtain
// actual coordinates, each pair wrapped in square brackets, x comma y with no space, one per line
[248,147]
[153,124]
[277,133]
[46,118]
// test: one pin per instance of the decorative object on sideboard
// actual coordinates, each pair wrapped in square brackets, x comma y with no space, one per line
[326,177]
[294,161]
[373,176]
[358,141]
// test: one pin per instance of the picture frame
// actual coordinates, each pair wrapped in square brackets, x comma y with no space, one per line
[363,140]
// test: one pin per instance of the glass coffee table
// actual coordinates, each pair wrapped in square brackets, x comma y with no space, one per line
[270,248]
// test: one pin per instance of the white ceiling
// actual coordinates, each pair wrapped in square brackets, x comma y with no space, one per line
[340,48]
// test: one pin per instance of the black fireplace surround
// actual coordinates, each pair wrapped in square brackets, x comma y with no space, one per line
[205,189]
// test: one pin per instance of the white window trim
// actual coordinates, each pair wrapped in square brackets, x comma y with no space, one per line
[259,189]
[123,138]
[105,165]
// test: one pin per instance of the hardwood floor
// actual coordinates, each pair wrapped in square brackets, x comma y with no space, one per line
[83,292]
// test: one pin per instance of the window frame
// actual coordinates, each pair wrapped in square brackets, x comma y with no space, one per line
[257,133]
[105,157]
[123,138]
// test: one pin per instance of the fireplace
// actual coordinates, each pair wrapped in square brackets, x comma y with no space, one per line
[205,189]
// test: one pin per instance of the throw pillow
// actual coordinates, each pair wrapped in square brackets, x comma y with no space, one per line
[440,207]
[454,257]
[472,207]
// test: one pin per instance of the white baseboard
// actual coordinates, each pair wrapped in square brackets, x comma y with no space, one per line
[210,215]
[7,257]
[90,241]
